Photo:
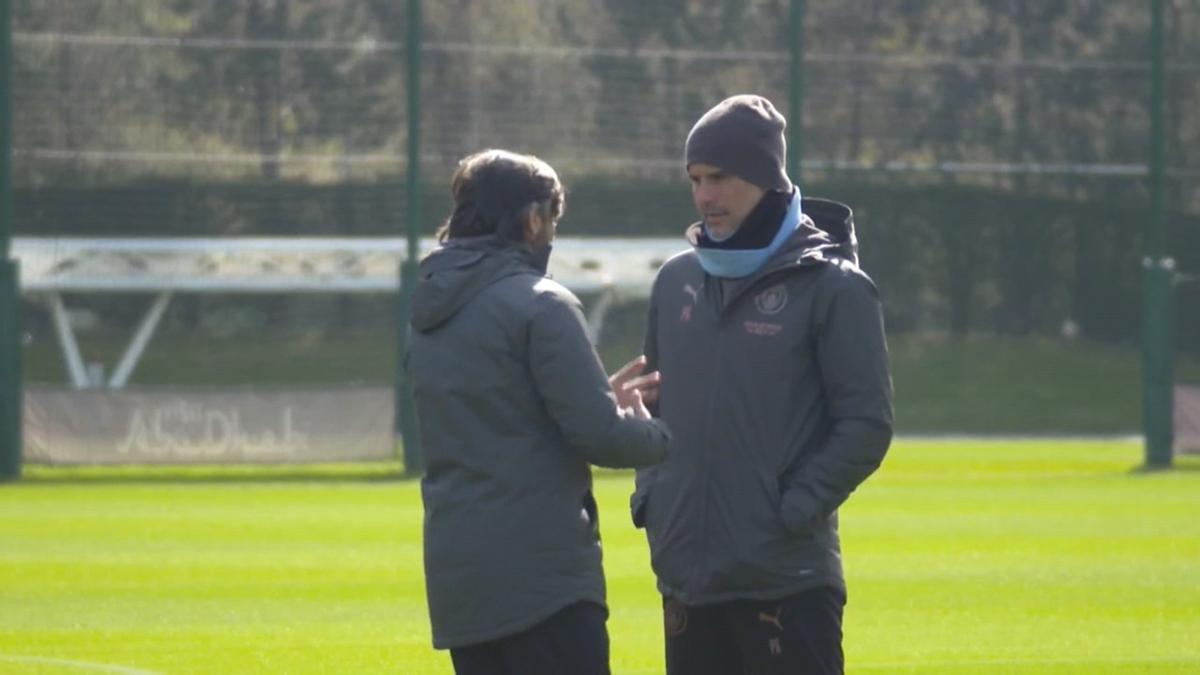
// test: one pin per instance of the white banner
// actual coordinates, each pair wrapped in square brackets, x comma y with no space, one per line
[170,425]
[1187,418]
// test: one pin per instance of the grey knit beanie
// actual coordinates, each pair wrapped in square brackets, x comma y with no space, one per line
[742,135]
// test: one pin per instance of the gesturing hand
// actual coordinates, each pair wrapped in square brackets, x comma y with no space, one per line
[633,389]
[638,409]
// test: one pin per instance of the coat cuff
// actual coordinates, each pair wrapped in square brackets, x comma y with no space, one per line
[637,509]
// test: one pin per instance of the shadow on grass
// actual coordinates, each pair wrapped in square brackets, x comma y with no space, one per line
[1181,464]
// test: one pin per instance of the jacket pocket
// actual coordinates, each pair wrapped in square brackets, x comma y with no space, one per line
[796,513]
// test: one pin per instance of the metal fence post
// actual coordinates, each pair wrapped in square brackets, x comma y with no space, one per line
[10,303]
[1157,357]
[406,416]
[795,136]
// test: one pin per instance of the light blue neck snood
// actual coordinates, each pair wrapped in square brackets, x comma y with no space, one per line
[735,264]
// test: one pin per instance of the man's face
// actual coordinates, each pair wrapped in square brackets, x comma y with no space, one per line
[722,199]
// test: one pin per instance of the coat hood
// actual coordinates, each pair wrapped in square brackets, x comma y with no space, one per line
[827,231]
[454,274]
[830,232]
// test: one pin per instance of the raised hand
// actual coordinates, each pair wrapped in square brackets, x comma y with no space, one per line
[638,409]
[634,389]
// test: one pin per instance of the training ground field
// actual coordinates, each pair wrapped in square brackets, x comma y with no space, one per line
[962,557]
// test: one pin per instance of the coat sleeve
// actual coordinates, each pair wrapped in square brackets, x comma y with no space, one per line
[852,359]
[645,476]
[575,390]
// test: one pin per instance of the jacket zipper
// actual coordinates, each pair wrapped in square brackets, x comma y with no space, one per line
[716,302]
[721,321]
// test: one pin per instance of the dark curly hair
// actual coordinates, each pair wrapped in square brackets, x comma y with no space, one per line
[496,191]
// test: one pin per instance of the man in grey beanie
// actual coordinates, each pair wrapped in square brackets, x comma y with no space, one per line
[774,381]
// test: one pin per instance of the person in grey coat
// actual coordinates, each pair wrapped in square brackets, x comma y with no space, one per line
[513,405]
[770,343]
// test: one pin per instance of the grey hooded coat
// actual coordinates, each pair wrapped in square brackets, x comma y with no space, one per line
[513,405]
[777,393]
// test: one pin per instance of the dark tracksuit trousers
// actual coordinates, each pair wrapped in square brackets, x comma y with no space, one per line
[797,635]
[573,641]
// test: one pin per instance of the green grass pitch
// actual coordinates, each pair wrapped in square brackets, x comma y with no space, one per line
[962,557]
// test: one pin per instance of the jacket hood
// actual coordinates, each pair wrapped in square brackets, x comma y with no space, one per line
[831,231]
[828,231]
[454,274]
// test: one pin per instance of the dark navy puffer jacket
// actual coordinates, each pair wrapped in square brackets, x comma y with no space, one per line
[777,392]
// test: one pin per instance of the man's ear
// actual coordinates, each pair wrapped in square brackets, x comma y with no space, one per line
[536,228]
[531,227]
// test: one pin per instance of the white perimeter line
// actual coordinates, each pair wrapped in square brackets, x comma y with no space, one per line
[1023,662]
[83,665]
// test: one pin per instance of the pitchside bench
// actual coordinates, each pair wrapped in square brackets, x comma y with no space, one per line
[613,269]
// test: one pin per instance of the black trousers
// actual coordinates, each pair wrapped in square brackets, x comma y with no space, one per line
[573,641]
[797,635]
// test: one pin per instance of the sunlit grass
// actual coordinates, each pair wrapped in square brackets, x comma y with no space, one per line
[962,557]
